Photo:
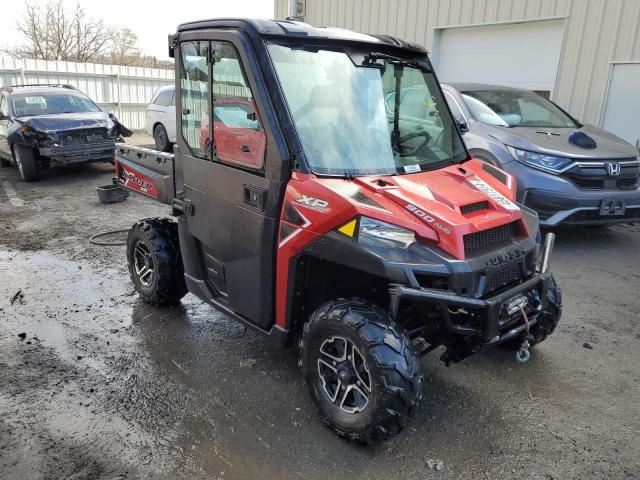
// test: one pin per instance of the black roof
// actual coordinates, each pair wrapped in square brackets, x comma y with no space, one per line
[293,29]
[485,87]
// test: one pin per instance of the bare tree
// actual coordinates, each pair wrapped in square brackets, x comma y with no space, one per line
[123,47]
[55,33]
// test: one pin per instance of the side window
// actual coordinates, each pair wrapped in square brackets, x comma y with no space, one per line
[453,105]
[238,136]
[194,96]
[164,99]
[3,105]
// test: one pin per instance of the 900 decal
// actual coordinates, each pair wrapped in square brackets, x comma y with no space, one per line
[428,218]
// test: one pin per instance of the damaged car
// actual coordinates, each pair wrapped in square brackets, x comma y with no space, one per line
[49,125]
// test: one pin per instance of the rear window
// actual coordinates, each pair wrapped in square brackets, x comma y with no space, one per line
[29,105]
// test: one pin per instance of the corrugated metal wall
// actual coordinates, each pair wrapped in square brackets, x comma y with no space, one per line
[125,91]
[597,32]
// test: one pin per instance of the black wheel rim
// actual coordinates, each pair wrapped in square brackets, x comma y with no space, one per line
[344,374]
[143,264]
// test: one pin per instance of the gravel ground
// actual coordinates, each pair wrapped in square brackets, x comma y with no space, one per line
[94,384]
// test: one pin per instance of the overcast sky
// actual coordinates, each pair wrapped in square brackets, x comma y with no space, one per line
[151,20]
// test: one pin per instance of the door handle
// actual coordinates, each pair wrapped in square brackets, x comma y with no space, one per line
[255,196]
[245,148]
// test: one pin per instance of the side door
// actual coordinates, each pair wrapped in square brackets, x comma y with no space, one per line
[4,126]
[234,200]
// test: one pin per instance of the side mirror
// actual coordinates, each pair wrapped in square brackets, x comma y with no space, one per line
[462,126]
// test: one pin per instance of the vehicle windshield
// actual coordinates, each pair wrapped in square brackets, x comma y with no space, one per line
[32,104]
[515,108]
[349,122]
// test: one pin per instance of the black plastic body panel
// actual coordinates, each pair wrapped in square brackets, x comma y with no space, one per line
[234,221]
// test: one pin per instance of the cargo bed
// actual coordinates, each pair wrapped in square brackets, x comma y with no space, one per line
[146,171]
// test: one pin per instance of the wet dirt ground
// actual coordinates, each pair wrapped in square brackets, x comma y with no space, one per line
[94,384]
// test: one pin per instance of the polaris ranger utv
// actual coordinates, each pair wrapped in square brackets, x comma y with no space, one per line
[312,210]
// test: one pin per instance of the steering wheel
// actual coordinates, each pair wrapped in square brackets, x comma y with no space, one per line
[410,136]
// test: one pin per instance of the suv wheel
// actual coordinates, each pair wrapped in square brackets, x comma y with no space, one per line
[155,262]
[25,159]
[161,138]
[361,370]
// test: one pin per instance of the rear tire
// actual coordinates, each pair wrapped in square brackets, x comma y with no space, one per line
[25,159]
[161,138]
[360,369]
[155,261]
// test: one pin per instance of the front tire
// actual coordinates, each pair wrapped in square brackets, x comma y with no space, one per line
[360,369]
[161,137]
[155,261]
[25,159]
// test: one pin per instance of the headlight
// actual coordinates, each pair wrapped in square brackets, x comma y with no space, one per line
[382,234]
[542,161]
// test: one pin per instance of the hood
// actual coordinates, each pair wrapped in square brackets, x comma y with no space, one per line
[75,121]
[555,141]
[68,121]
[450,202]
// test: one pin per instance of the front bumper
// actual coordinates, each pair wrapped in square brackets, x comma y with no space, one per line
[69,154]
[495,325]
[559,201]
[585,208]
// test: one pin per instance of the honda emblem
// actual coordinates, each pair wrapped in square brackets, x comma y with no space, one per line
[613,169]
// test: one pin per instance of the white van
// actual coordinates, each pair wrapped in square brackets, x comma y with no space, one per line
[161,118]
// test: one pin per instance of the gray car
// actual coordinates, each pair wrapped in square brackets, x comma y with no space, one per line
[568,172]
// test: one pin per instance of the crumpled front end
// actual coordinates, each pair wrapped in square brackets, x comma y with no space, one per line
[72,138]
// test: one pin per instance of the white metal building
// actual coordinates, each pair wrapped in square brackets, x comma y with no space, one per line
[583,54]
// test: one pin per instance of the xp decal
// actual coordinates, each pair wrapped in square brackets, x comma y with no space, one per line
[312,203]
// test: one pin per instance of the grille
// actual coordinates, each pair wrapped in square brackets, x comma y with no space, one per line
[627,183]
[82,137]
[588,183]
[597,178]
[474,207]
[475,241]
[498,278]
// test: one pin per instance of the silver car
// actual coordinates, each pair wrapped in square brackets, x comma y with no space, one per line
[568,172]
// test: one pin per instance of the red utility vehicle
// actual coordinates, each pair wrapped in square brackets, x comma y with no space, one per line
[364,234]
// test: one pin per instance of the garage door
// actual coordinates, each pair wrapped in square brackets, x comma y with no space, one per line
[622,108]
[524,55]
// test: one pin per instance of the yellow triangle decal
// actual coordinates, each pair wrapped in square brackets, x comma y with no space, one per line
[349,228]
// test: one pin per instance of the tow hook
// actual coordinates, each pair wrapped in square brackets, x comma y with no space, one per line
[523,354]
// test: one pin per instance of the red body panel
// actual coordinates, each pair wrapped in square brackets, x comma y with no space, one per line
[428,203]
[134,179]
